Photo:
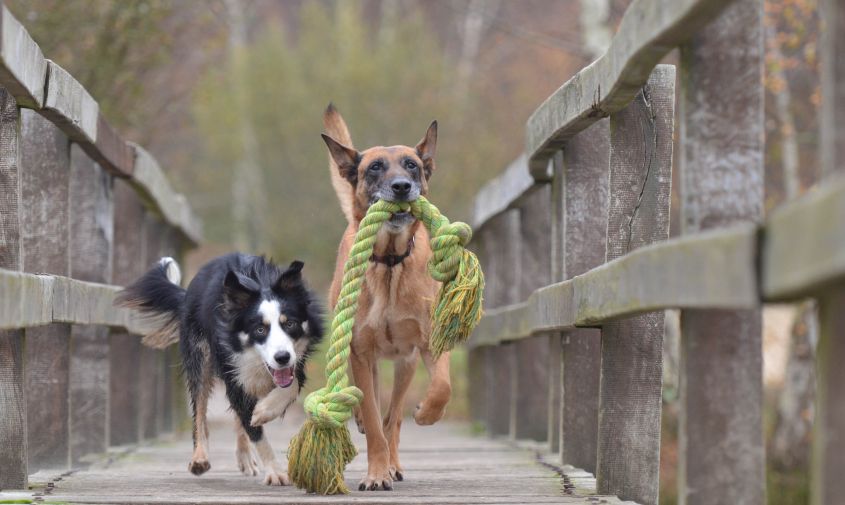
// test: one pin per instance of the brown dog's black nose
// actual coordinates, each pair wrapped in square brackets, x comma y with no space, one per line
[401,186]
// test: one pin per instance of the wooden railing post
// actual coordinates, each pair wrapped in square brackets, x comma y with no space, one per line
[532,373]
[45,170]
[828,486]
[478,358]
[721,110]
[91,234]
[13,457]
[585,166]
[151,360]
[557,273]
[502,251]
[632,348]
[124,348]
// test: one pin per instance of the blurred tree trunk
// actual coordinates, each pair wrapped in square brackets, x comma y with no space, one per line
[479,12]
[783,109]
[595,28]
[790,447]
[248,195]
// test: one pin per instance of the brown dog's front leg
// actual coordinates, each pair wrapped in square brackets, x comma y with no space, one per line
[378,456]
[439,389]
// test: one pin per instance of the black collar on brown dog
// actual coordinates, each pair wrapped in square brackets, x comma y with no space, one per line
[391,260]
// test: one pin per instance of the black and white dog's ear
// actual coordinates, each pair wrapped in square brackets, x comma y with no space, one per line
[239,290]
[290,278]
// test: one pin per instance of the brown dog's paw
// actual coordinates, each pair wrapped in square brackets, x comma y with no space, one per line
[376,481]
[199,466]
[427,414]
[397,474]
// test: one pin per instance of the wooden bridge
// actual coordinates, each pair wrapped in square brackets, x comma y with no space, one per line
[565,368]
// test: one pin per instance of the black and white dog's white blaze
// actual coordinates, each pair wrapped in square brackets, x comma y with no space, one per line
[246,321]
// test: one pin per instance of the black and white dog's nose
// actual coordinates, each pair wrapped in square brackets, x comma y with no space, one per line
[282,357]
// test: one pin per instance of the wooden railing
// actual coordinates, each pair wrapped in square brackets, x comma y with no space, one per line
[573,240]
[81,212]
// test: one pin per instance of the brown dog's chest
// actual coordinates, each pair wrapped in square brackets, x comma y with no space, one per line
[394,309]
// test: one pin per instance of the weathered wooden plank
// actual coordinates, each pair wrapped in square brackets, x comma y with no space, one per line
[90,260]
[532,374]
[503,192]
[47,360]
[45,161]
[89,392]
[557,219]
[803,248]
[10,184]
[69,106]
[501,251]
[632,348]
[829,431]
[151,184]
[13,457]
[585,194]
[111,151]
[827,485]
[722,136]
[92,228]
[125,349]
[713,269]
[45,171]
[649,30]
[124,377]
[23,69]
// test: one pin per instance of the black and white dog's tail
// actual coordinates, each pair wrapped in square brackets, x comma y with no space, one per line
[158,295]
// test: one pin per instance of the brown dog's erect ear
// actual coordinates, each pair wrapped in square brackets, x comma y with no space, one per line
[346,159]
[427,148]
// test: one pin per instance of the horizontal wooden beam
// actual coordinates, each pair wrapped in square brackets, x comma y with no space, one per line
[708,270]
[69,106]
[28,300]
[800,250]
[23,69]
[40,84]
[649,30]
[804,245]
[498,194]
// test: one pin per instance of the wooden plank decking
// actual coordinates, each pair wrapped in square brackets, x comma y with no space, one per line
[444,464]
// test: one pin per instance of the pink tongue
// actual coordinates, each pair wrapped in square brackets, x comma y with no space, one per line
[284,377]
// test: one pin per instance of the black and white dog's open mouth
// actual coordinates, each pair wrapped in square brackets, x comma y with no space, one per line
[282,378]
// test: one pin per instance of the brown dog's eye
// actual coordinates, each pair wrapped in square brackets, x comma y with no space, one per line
[410,165]
[375,166]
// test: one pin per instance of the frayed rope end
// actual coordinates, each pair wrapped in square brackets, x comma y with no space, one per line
[318,455]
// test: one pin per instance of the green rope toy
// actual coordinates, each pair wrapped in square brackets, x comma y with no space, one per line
[321,450]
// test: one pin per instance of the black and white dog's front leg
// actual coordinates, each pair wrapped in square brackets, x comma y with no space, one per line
[244,406]
[274,405]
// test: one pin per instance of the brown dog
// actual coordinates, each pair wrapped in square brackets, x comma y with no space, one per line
[394,308]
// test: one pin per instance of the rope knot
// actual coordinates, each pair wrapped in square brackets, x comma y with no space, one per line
[332,408]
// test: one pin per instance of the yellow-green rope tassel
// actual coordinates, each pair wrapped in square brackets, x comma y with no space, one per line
[321,450]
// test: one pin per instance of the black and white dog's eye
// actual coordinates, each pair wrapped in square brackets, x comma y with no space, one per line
[259,330]
[290,325]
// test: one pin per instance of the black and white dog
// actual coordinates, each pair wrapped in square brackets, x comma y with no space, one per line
[246,321]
